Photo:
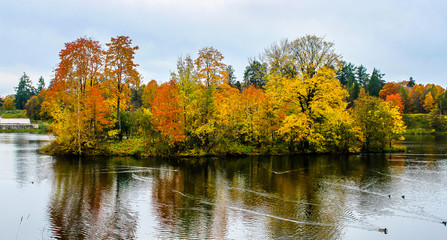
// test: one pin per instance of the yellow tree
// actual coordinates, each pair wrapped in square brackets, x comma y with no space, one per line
[210,69]
[428,102]
[190,93]
[121,72]
[226,102]
[252,118]
[312,111]
[380,122]
[9,104]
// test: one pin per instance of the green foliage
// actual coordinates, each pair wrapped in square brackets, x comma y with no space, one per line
[14,114]
[232,78]
[255,73]
[376,83]
[380,122]
[24,91]
[362,76]
[347,73]
[40,85]
[416,121]
[436,120]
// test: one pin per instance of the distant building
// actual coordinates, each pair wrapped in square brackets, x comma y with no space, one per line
[17,123]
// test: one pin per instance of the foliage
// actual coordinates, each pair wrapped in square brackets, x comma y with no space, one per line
[232,78]
[428,102]
[255,74]
[80,113]
[297,98]
[436,120]
[166,111]
[9,104]
[34,106]
[210,69]
[305,55]
[380,122]
[13,114]
[396,100]
[376,83]
[121,73]
[24,91]
[40,85]
[150,90]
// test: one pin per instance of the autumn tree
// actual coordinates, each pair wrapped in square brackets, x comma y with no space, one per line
[403,92]
[80,69]
[428,102]
[8,104]
[150,90]
[396,100]
[388,89]
[380,122]
[191,95]
[167,113]
[254,120]
[32,107]
[121,73]
[313,112]
[210,68]
[304,55]
[416,98]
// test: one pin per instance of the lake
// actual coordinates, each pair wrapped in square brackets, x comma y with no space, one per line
[289,197]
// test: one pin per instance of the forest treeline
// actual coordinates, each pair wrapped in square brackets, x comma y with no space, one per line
[297,97]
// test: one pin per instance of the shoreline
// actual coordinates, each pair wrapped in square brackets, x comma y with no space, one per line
[139,149]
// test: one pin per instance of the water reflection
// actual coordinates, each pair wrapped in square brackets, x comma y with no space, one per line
[304,197]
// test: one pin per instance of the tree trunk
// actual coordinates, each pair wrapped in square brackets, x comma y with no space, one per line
[120,133]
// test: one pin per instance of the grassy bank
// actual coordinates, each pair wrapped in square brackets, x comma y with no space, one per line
[38,130]
[141,148]
[13,113]
[419,124]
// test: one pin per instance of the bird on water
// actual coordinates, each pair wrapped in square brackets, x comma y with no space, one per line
[384,230]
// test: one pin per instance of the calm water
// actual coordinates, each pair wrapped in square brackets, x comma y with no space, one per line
[304,197]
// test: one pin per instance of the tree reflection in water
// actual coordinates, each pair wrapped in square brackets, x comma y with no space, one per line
[319,197]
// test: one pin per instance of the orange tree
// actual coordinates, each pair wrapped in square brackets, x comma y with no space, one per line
[73,93]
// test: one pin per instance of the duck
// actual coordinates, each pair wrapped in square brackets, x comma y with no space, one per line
[403,196]
[444,222]
[389,196]
[384,230]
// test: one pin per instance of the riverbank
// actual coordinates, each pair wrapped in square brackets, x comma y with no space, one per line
[140,148]
[420,124]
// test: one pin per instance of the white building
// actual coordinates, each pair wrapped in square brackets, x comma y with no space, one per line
[15,121]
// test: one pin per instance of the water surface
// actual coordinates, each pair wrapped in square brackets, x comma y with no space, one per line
[302,197]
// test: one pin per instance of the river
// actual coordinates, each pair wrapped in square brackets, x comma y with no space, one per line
[296,197]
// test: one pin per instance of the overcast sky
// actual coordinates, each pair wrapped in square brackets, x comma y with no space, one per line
[400,38]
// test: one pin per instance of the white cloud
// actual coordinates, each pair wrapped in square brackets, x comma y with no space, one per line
[401,38]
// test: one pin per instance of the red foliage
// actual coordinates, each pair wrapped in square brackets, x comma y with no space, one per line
[396,100]
[167,112]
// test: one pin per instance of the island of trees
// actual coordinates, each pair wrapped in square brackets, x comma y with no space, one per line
[297,97]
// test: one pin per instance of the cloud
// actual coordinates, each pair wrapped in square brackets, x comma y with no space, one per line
[401,38]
